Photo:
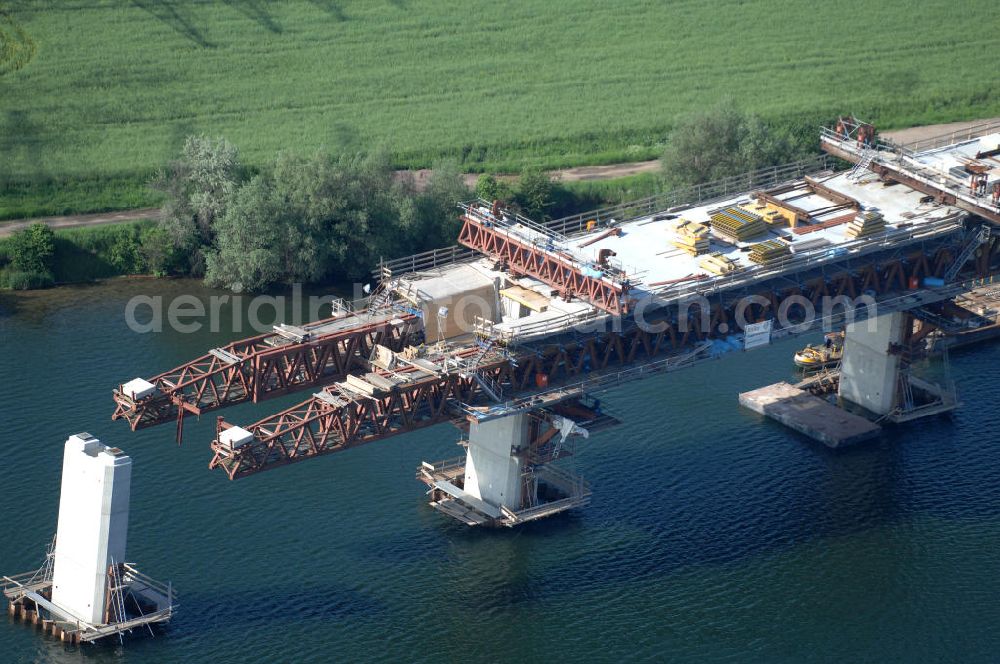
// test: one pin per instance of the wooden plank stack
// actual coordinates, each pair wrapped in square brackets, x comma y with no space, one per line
[691,237]
[718,264]
[738,224]
[865,224]
[775,219]
[765,252]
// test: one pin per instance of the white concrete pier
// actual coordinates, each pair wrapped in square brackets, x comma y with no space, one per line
[93,525]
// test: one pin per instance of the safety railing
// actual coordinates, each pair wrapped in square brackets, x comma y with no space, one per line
[692,195]
[952,137]
[855,248]
[426,260]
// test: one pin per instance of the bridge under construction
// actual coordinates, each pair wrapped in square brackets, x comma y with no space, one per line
[511,334]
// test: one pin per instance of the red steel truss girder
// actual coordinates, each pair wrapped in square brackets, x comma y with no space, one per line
[316,427]
[557,272]
[262,371]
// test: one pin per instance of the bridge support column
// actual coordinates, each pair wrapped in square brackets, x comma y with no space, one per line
[493,469]
[870,365]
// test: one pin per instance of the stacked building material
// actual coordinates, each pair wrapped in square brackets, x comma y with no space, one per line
[865,224]
[691,237]
[773,215]
[736,223]
[718,264]
[775,219]
[765,252]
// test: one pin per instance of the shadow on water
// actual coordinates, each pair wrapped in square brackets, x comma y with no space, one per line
[177,19]
[9,305]
[270,605]
[258,12]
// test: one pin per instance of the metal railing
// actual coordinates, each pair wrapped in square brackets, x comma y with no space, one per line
[426,260]
[508,218]
[526,232]
[951,137]
[693,195]
[906,159]
[862,246]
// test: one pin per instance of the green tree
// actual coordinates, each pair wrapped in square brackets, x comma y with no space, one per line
[724,141]
[159,252]
[437,207]
[125,253]
[197,188]
[490,188]
[249,238]
[534,193]
[33,249]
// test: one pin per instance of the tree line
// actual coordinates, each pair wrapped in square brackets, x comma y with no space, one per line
[318,218]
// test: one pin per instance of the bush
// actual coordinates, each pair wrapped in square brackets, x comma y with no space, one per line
[724,141]
[489,188]
[125,253]
[32,249]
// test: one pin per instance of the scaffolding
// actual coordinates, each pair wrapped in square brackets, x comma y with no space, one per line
[133,601]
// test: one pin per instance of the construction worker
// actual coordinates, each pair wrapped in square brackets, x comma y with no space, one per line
[996,193]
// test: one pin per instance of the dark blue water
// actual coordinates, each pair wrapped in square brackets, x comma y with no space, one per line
[712,535]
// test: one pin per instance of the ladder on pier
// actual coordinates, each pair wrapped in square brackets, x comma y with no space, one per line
[485,346]
[867,157]
[381,298]
[492,389]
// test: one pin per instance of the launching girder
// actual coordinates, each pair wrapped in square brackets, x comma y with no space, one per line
[264,366]
[490,233]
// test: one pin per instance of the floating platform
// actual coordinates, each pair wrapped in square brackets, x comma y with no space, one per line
[558,491]
[809,415]
[138,602]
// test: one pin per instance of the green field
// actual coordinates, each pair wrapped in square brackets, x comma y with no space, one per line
[102,93]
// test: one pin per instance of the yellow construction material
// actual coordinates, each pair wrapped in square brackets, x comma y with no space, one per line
[765,252]
[526,297]
[739,224]
[865,224]
[774,216]
[718,264]
[691,237]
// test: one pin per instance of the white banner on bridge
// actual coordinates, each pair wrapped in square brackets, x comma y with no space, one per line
[757,334]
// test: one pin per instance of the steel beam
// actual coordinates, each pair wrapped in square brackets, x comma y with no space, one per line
[253,369]
[558,270]
[334,420]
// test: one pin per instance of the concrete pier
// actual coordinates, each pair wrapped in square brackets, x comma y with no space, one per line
[93,525]
[869,371]
[86,591]
[809,415]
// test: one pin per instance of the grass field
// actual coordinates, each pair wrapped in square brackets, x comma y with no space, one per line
[103,93]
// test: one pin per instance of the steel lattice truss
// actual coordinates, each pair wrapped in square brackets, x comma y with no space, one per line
[260,369]
[337,419]
[556,271]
